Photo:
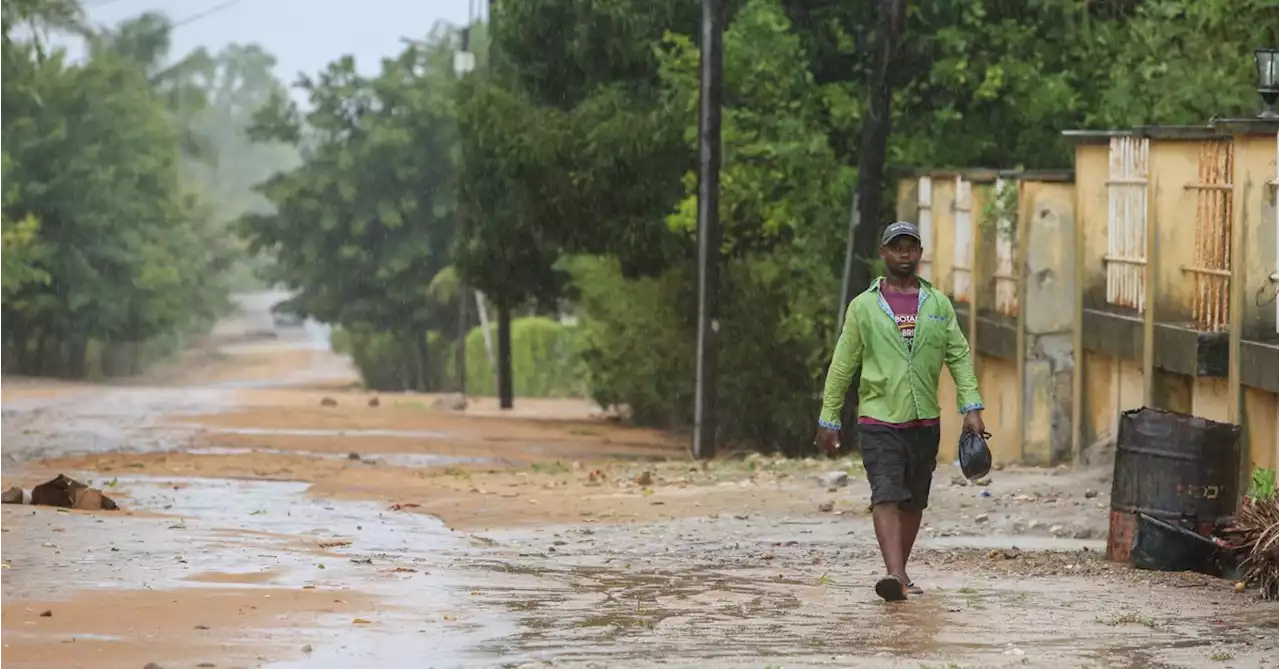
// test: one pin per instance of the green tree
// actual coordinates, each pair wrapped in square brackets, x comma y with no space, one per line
[120,256]
[366,222]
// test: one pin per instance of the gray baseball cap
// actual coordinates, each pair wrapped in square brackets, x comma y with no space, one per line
[897,230]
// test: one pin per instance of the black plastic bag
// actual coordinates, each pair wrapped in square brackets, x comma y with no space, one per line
[975,456]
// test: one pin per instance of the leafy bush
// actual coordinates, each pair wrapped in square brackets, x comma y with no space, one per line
[638,345]
[1262,484]
[542,360]
[391,362]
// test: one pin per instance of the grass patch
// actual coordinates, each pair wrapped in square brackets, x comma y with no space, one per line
[556,467]
[1130,619]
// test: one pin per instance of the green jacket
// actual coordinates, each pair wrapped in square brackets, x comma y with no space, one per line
[898,385]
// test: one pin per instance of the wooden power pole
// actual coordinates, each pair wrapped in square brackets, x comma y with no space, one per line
[506,387]
[712,70]
[865,224]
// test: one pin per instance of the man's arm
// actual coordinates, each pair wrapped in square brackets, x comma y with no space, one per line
[960,362]
[844,364]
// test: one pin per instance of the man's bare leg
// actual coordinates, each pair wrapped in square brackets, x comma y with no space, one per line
[891,534]
[910,528]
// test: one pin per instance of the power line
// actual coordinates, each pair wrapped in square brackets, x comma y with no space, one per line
[203,14]
[188,20]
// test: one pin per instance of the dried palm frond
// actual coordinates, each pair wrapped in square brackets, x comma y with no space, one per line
[1257,534]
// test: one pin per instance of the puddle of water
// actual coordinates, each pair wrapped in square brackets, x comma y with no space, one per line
[228,526]
[395,459]
[697,590]
[219,525]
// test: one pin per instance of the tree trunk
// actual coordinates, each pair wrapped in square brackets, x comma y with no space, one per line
[876,128]
[423,362]
[506,385]
[42,347]
[78,357]
[463,322]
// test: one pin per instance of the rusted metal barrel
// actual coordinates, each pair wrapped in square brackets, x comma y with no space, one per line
[1181,469]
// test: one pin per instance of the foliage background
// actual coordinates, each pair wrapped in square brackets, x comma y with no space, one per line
[558,179]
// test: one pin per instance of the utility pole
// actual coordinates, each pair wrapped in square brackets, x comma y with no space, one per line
[871,162]
[875,138]
[506,389]
[464,61]
[464,322]
[712,70]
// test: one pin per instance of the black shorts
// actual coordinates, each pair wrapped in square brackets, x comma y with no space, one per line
[900,463]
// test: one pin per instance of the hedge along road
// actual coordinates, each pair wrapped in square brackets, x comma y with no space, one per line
[264,526]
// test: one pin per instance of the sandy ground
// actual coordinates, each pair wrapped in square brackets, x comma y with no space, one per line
[263,526]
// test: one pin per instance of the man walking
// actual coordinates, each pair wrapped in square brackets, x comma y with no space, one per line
[899,332]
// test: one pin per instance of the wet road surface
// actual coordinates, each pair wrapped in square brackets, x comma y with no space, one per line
[723,589]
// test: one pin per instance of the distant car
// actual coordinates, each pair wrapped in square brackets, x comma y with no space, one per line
[286,315]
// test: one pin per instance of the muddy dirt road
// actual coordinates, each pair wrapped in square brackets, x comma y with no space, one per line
[273,516]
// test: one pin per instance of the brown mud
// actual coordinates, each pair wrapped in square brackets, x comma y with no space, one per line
[262,529]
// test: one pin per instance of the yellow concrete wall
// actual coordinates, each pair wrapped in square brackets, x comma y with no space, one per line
[979,196]
[1050,263]
[1047,210]
[1108,385]
[1255,166]
[944,232]
[1261,413]
[1211,398]
[1091,217]
[1113,386]
[951,421]
[907,208]
[1001,390]
[1174,165]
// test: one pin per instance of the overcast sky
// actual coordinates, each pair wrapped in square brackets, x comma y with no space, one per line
[304,35]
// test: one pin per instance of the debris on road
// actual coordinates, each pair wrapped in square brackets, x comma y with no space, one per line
[1256,535]
[374,403]
[835,479]
[11,496]
[450,402]
[406,505]
[68,493]
[328,402]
